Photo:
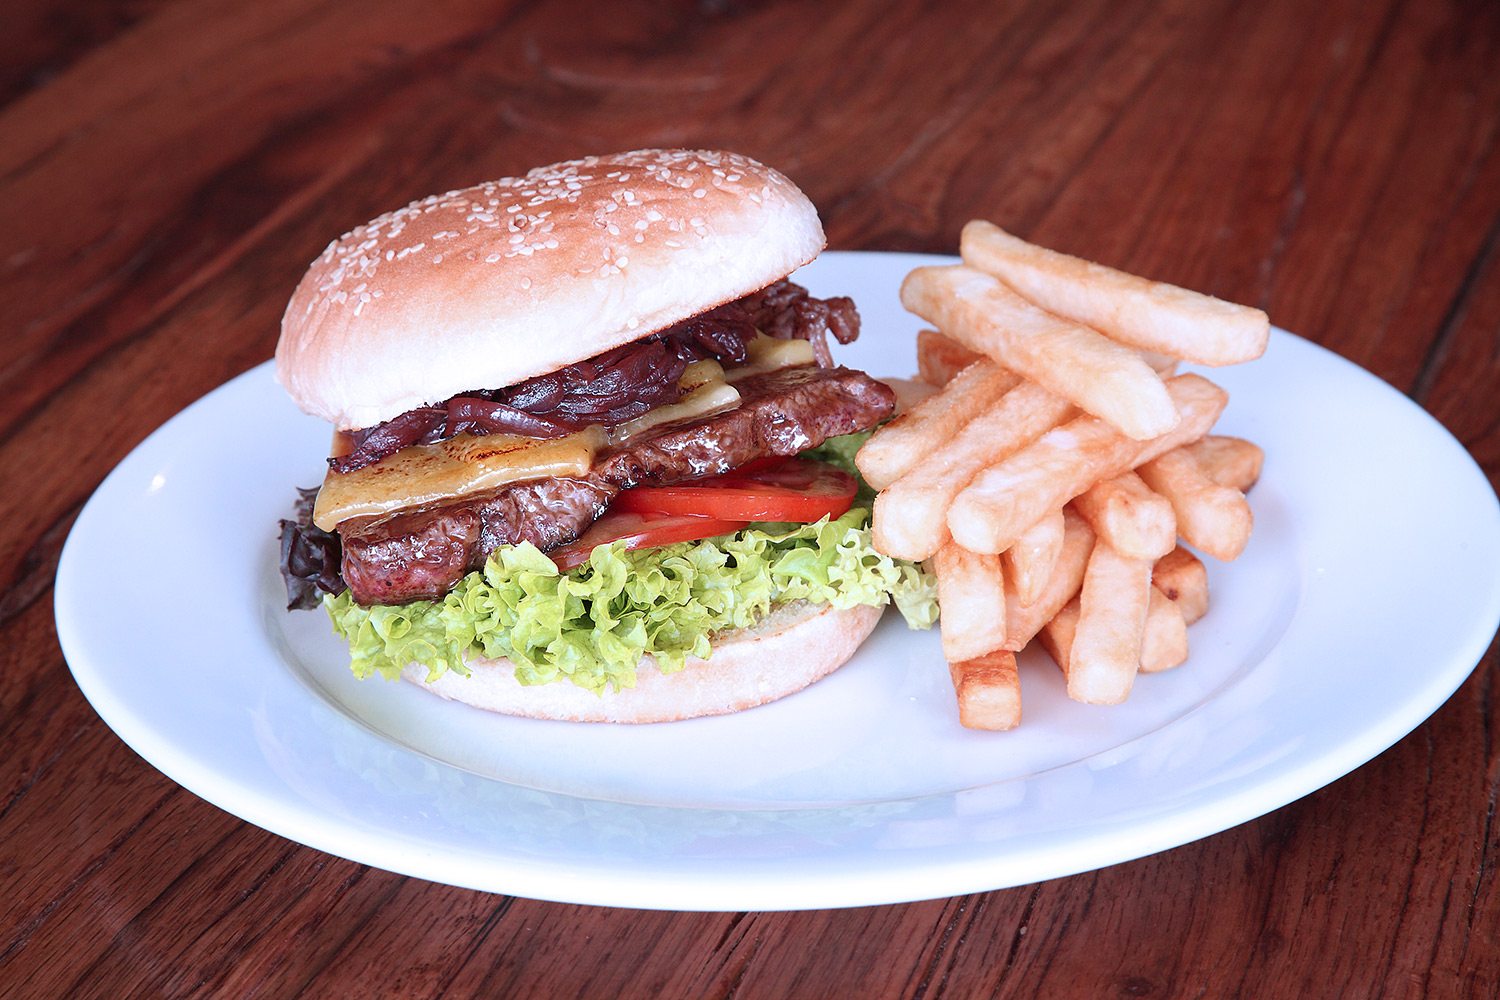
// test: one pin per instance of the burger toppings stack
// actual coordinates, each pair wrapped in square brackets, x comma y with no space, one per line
[604,355]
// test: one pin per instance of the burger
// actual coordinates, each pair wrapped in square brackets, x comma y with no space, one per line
[591,448]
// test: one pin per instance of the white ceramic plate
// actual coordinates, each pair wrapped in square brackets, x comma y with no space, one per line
[1365,598]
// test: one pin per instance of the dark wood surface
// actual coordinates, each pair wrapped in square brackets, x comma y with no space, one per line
[167,169]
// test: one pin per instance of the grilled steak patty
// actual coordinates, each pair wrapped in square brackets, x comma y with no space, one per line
[423,553]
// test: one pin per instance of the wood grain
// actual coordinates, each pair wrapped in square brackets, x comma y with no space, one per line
[168,169]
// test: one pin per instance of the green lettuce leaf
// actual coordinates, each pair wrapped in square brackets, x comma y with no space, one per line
[592,624]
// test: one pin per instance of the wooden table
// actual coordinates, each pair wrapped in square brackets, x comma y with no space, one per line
[168,169]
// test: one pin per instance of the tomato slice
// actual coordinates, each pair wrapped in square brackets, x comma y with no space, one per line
[793,489]
[640,531]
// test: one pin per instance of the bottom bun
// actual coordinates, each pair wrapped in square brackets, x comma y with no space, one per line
[783,653]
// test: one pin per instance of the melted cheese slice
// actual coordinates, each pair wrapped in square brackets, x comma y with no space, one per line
[709,397]
[767,354]
[426,473]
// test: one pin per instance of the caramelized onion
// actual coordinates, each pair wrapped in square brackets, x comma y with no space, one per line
[475,415]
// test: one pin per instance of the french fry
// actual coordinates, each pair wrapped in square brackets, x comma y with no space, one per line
[1182,577]
[939,358]
[903,442]
[1163,364]
[990,513]
[989,691]
[1151,315]
[909,392]
[1129,517]
[1229,461]
[1106,650]
[1024,621]
[1029,562]
[1211,518]
[1049,459]
[1098,375]
[1164,642]
[971,600]
[1056,636]
[911,516]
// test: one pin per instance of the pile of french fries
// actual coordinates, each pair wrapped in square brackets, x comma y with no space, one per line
[1046,484]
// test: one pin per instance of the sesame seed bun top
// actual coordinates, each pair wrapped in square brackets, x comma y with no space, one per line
[485,287]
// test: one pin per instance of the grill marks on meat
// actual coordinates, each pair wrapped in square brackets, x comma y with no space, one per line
[423,553]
